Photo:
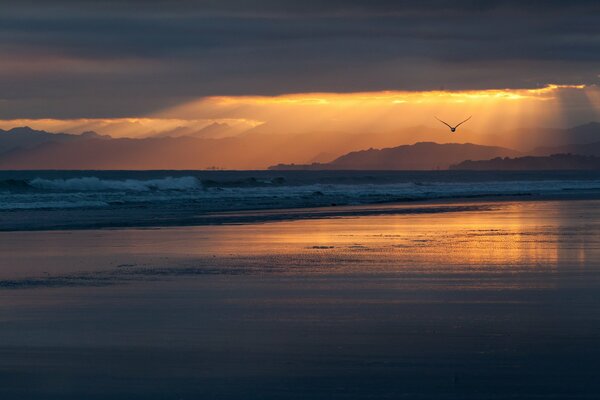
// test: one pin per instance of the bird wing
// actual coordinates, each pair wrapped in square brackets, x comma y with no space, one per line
[443,122]
[464,121]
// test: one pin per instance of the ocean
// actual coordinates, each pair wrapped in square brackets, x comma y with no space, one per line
[32,200]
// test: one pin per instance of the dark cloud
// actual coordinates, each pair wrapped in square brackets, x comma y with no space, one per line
[116,58]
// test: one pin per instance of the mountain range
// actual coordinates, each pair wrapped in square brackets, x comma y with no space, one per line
[26,148]
[589,149]
[420,156]
[531,138]
[25,138]
[552,162]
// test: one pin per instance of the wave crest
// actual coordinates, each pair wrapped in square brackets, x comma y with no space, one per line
[97,184]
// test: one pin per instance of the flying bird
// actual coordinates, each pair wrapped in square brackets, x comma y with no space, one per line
[453,128]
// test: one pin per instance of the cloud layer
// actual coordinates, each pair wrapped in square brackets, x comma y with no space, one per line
[104,59]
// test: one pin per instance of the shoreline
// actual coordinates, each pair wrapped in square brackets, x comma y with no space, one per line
[258,216]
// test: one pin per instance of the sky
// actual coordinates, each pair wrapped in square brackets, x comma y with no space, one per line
[139,68]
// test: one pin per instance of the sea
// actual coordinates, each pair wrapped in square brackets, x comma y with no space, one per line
[34,200]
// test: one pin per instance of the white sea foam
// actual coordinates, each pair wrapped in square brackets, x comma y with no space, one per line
[192,194]
[37,205]
[96,184]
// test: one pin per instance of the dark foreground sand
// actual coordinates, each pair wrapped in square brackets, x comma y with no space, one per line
[502,301]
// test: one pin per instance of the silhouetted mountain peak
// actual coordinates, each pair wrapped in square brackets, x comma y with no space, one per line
[28,131]
[588,125]
[418,156]
[94,135]
[551,162]
[24,138]
[20,130]
[213,130]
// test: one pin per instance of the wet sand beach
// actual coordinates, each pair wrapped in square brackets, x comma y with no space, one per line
[493,301]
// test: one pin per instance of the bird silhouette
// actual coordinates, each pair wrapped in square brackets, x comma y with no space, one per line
[453,128]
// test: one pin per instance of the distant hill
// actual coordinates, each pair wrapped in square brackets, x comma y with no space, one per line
[419,156]
[26,138]
[25,148]
[585,133]
[589,149]
[554,137]
[552,162]
[215,130]
[252,150]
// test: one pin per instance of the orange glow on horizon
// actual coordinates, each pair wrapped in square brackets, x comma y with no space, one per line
[405,116]
[396,97]
[498,113]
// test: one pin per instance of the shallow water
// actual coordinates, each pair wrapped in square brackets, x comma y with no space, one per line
[498,301]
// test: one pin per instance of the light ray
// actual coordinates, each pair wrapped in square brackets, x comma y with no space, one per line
[498,114]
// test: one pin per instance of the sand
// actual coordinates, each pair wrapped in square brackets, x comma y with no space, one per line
[492,302]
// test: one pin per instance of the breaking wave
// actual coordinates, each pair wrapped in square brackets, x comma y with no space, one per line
[92,184]
[97,184]
[42,205]
[197,192]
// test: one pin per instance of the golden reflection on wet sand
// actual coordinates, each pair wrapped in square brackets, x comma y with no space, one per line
[519,236]
[511,237]
[460,305]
